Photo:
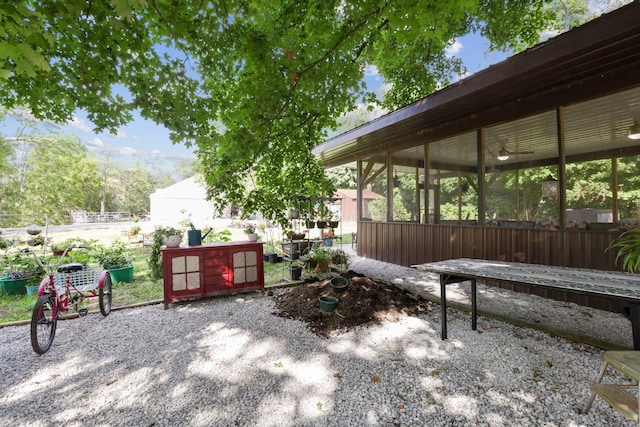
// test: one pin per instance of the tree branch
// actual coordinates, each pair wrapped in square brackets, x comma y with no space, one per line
[366,43]
[174,36]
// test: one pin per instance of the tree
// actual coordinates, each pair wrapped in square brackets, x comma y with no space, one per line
[255,84]
[61,177]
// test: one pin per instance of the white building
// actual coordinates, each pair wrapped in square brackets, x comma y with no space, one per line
[184,200]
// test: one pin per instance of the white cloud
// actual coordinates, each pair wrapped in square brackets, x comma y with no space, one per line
[78,124]
[124,135]
[126,151]
[95,142]
[371,70]
[97,146]
[453,49]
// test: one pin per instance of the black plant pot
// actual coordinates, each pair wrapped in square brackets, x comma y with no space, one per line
[272,258]
[322,224]
[296,272]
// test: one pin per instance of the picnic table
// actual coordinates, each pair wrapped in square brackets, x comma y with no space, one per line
[615,285]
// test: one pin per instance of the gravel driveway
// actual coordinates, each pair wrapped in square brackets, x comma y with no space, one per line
[230,362]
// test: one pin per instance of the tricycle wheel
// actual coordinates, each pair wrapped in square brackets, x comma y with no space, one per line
[105,294]
[43,324]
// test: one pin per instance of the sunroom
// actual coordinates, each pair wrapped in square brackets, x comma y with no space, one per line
[535,159]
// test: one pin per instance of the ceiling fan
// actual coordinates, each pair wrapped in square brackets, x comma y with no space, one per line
[503,153]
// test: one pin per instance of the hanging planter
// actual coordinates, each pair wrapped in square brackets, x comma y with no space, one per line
[293,214]
[310,224]
[34,230]
[322,224]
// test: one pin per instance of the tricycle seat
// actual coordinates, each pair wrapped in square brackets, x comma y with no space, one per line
[69,268]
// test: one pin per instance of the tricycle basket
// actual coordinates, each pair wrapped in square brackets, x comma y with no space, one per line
[84,280]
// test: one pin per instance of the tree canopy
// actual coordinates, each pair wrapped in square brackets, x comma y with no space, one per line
[254,84]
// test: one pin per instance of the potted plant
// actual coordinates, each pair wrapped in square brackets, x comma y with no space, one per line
[172,236]
[17,272]
[333,219]
[134,230]
[628,246]
[322,256]
[323,215]
[341,258]
[250,231]
[36,241]
[117,259]
[58,247]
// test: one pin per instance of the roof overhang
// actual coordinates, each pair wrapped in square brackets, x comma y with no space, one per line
[598,58]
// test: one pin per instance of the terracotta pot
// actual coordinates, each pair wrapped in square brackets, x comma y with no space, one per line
[322,267]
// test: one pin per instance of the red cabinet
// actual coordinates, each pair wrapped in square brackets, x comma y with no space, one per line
[211,269]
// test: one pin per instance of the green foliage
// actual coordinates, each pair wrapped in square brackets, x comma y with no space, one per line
[115,256]
[51,174]
[36,241]
[321,254]
[171,231]
[259,102]
[378,209]
[628,246]
[62,244]
[340,257]
[155,258]
[218,236]
[17,265]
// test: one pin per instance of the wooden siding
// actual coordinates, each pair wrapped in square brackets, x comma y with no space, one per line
[409,243]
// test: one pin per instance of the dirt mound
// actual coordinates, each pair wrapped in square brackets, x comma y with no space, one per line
[365,301]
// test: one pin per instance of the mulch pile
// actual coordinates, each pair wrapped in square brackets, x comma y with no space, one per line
[364,302]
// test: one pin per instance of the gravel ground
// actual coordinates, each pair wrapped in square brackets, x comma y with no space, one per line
[230,362]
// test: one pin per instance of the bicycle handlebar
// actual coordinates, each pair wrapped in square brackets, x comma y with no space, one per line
[52,267]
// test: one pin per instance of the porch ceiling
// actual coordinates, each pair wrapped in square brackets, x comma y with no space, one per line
[592,71]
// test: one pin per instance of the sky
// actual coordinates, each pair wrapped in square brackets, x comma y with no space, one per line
[145,142]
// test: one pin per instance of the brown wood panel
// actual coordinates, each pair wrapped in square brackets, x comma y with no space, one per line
[409,243]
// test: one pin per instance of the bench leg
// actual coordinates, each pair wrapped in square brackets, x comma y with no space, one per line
[443,307]
[593,393]
[634,316]
[474,307]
